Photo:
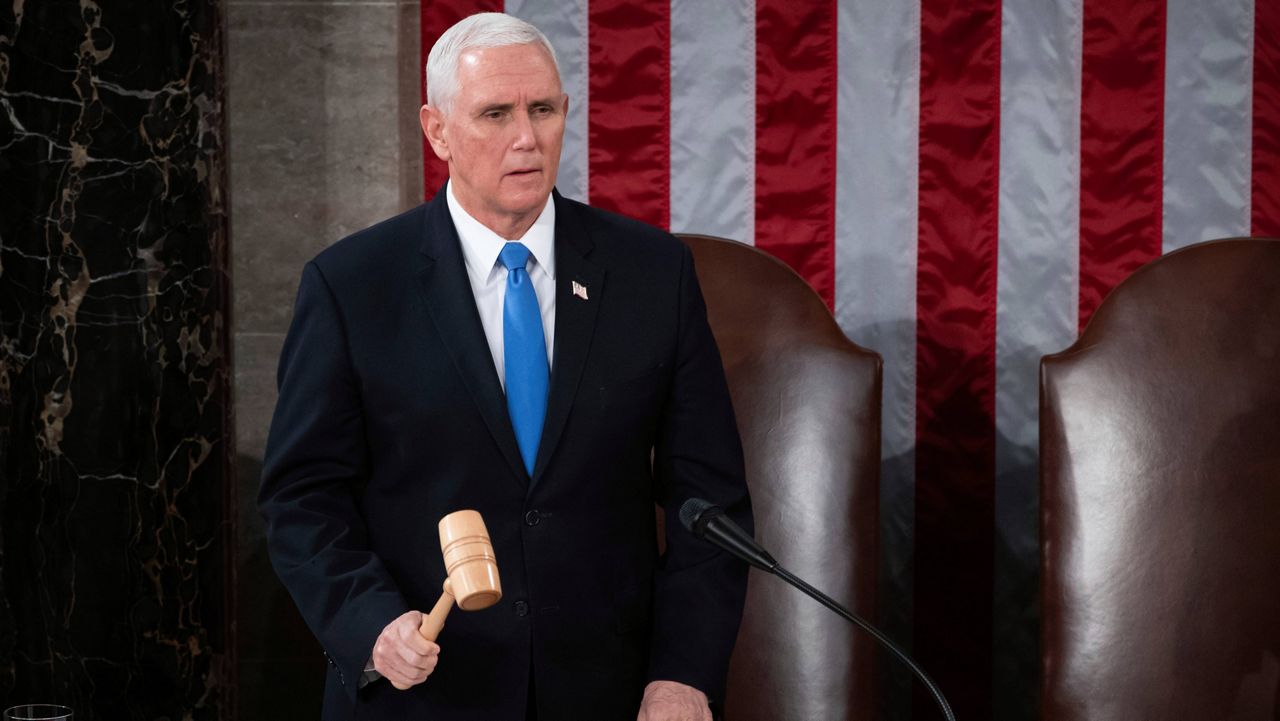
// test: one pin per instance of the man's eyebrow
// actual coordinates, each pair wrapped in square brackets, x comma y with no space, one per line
[504,107]
[508,107]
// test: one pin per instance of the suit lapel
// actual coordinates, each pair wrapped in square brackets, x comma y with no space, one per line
[575,324]
[451,303]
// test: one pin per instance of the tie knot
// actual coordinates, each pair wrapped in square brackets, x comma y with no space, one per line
[514,255]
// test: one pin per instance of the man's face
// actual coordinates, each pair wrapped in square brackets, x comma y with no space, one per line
[502,134]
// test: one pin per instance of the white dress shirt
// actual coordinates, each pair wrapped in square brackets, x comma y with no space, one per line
[480,249]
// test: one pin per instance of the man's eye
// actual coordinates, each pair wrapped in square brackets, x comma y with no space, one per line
[494,115]
[542,111]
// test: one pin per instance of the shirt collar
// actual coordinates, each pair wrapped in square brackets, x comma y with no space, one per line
[481,246]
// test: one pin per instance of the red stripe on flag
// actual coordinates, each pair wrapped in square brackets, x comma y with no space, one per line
[436,17]
[955,347]
[1121,143]
[796,137]
[1266,119]
[629,113]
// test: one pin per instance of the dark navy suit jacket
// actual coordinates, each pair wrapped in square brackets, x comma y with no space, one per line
[391,415]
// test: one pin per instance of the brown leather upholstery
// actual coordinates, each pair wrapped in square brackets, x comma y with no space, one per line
[808,407]
[1160,493]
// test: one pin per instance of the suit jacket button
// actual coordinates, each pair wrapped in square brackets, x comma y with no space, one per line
[532,518]
[522,609]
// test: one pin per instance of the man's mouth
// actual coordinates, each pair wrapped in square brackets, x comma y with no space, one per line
[524,171]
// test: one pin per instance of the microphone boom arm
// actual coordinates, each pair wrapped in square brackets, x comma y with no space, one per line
[879,636]
[710,523]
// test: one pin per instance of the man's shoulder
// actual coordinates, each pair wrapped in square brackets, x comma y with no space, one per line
[383,246]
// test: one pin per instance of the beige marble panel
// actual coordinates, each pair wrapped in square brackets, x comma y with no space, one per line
[322,111]
[255,388]
[315,136]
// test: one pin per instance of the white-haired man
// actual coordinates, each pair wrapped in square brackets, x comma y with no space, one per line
[505,349]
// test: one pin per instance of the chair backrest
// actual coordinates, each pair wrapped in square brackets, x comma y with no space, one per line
[807,402]
[1160,496]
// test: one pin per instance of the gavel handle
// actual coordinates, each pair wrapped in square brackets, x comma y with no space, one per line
[434,621]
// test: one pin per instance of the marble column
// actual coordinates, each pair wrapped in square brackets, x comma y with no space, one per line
[323,98]
[115,434]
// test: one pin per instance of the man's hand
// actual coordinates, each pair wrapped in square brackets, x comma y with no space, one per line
[402,655]
[671,701]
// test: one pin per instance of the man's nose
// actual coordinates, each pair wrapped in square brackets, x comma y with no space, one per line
[523,129]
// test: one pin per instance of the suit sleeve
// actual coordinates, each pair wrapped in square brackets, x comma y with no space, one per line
[699,590]
[316,460]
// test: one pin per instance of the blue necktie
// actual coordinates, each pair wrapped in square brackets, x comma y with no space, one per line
[524,354]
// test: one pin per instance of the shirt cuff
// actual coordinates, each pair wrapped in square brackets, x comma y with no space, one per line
[369,676]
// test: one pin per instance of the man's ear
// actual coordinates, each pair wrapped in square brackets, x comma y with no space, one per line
[432,121]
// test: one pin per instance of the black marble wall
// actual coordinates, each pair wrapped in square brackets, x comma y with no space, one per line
[115,436]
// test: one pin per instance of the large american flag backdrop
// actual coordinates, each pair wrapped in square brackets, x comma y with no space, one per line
[962,181]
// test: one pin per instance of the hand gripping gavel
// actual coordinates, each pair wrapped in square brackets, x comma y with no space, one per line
[471,571]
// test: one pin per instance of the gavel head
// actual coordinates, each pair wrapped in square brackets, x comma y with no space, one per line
[469,560]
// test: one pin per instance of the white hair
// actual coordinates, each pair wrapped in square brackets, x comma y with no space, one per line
[482,30]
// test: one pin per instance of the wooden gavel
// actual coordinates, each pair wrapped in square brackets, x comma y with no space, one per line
[471,570]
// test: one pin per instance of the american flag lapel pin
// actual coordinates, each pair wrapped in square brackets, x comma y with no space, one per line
[579,290]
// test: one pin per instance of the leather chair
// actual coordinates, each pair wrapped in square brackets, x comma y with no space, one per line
[1160,496]
[807,402]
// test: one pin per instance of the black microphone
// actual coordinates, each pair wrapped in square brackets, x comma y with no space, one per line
[709,522]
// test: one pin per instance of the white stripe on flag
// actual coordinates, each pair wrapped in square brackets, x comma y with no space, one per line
[564,22]
[1039,229]
[1208,112]
[713,133]
[877,163]
[1036,300]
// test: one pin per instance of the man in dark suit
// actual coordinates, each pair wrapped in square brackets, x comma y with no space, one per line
[550,365]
